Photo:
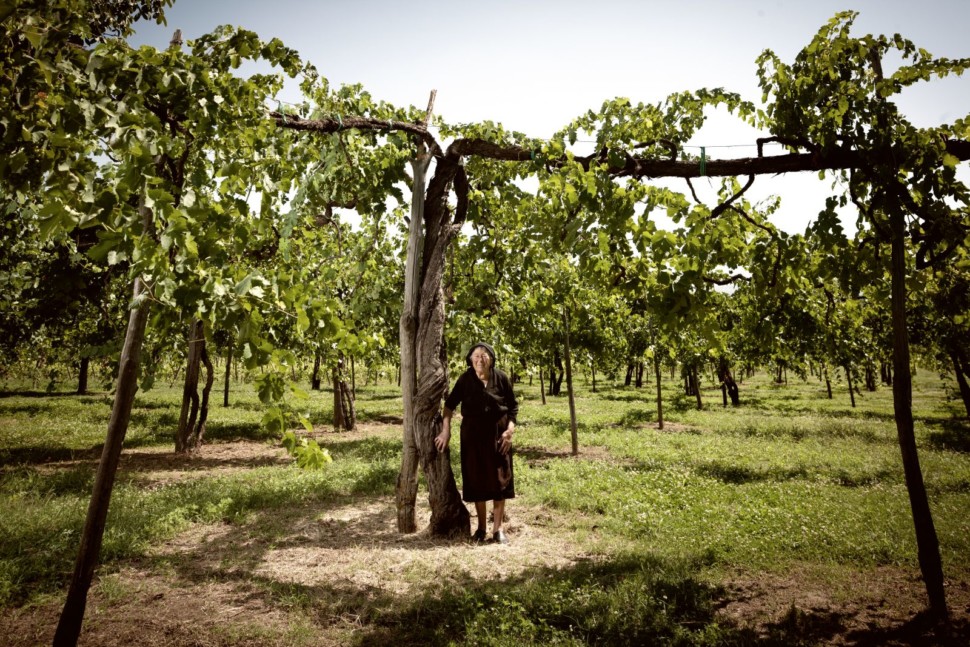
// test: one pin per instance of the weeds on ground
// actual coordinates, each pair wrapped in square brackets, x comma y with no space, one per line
[790,477]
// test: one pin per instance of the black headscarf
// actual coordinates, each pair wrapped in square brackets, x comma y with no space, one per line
[481,344]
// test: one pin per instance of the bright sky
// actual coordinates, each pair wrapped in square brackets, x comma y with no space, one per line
[535,65]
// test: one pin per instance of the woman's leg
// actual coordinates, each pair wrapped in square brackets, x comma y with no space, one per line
[482,512]
[498,512]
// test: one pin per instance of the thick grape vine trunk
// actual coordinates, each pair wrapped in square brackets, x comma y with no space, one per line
[424,367]
[660,402]
[928,546]
[184,434]
[407,480]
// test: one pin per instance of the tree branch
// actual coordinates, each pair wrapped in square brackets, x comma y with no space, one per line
[836,159]
[719,209]
[337,124]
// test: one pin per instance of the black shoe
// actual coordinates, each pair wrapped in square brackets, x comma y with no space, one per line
[499,537]
[479,536]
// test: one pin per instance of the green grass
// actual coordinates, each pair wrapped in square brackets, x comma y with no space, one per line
[789,478]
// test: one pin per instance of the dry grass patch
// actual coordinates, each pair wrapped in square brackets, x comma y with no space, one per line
[358,545]
[306,576]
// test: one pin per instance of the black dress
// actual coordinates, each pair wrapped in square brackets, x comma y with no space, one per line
[486,473]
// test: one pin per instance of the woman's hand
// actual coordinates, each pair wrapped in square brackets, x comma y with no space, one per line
[441,440]
[506,443]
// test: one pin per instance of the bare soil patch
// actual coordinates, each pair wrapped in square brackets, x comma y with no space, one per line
[156,466]
[882,606]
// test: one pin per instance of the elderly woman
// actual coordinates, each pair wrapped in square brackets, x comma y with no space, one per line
[488,411]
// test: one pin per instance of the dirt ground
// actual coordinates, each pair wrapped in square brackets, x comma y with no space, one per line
[208,586]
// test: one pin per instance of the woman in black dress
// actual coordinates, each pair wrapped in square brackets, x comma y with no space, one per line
[488,411]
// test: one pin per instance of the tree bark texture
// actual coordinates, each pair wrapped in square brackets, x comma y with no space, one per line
[407,480]
[449,516]
[424,368]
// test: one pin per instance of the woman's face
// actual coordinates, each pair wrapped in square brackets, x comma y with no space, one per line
[481,360]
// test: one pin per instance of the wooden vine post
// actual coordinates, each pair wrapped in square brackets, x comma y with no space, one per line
[92,536]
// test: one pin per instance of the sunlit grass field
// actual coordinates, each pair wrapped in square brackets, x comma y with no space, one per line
[789,478]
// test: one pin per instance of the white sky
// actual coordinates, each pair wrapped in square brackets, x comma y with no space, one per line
[535,65]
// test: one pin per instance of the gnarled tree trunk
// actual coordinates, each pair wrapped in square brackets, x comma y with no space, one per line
[449,516]
[407,480]
[190,391]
